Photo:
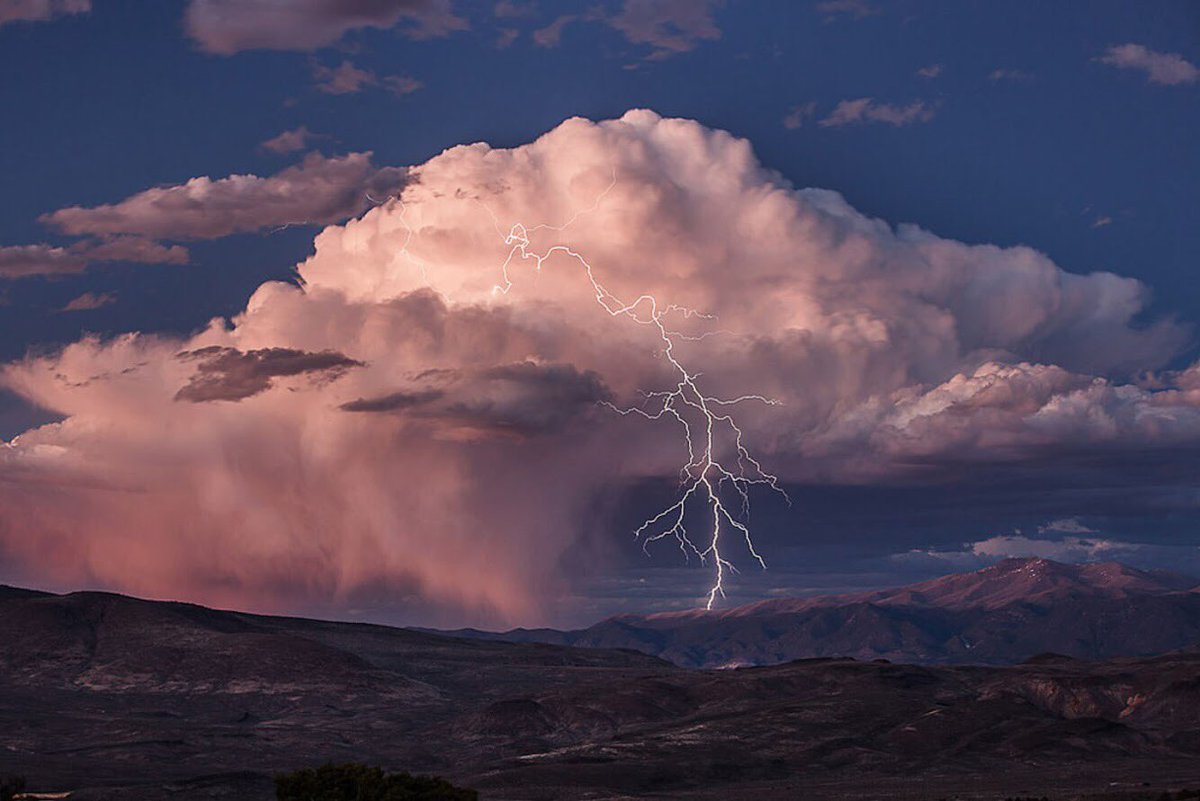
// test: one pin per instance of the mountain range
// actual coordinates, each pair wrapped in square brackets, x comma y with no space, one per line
[111,698]
[1001,614]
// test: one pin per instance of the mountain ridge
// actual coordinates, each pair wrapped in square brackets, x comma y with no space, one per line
[1000,614]
[115,697]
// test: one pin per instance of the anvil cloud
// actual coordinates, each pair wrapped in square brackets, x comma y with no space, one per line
[395,428]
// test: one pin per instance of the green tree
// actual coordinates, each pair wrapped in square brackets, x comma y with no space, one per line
[356,782]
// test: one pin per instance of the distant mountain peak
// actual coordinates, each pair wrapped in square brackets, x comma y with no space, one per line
[1034,580]
[1005,612]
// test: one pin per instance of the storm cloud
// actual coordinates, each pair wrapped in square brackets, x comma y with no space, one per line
[469,428]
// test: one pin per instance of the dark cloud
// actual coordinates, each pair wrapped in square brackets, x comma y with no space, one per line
[392,402]
[228,374]
[318,191]
[226,27]
[523,398]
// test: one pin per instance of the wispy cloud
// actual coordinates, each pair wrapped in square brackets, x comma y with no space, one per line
[23,261]
[799,115]
[856,9]
[1073,549]
[551,35]
[226,27]
[505,37]
[668,26]
[930,71]
[346,78]
[1168,69]
[1008,74]
[89,301]
[288,141]
[40,10]
[1065,525]
[508,9]
[865,109]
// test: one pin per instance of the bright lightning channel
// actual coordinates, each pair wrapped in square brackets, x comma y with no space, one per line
[704,476]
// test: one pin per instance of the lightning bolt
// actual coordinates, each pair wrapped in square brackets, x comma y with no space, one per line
[707,421]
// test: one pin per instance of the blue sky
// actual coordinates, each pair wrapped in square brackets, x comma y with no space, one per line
[986,122]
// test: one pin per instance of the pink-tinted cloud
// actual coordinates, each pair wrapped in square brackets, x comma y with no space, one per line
[1009,74]
[346,79]
[40,10]
[508,9]
[231,26]
[401,85]
[320,190]
[288,141]
[89,301]
[1169,69]
[22,261]
[796,118]
[668,26]
[551,35]
[865,109]
[505,38]
[396,428]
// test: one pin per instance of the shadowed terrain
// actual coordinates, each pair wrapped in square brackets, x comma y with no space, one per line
[175,701]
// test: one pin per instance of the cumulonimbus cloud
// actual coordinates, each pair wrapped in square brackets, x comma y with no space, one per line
[397,427]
